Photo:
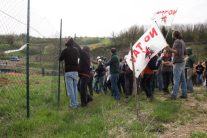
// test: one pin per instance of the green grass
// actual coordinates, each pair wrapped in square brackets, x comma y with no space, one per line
[166,111]
[200,51]
[198,135]
[104,117]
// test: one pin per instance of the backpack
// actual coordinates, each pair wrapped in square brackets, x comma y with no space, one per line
[154,63]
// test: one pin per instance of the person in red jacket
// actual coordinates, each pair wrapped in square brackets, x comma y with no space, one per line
[146,82]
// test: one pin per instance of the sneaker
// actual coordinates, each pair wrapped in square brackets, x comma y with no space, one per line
[183,97]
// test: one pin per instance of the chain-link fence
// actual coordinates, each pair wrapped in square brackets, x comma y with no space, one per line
[43,61]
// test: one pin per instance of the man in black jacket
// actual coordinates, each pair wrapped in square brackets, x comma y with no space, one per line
[70,56]
[84,74]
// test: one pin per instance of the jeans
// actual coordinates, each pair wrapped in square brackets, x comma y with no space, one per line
[189,72]
[128,85]
[71,80]
[160,80]
[83,90]
[100,84]
[114,86]
[146,83]
[121,83]
[166,80]
[199,79]
[206,77]
[90,86]
[179,78]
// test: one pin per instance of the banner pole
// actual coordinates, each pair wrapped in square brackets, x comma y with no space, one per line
[171,25]
[135,92]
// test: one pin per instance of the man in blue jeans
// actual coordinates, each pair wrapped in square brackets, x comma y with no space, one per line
[70,56]
[179,52]
[114,70]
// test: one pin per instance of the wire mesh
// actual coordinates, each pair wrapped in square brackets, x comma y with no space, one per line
[43,57]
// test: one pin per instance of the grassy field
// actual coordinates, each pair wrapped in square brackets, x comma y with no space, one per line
[103,117]
[200,50]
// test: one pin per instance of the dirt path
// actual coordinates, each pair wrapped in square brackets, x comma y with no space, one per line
[198,122]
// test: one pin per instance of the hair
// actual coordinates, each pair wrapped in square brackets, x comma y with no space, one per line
[177,35]
[70,42]
[113,50]
[86,48]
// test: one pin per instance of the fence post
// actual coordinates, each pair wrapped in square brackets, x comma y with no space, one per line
[60,49]
[27,60]
[135,89]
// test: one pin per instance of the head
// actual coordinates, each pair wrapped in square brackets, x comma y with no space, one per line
[69,42]
[98,58]
[176,35]
[99,61]
[113,50]
[120,60]
[189,51]
[87,49]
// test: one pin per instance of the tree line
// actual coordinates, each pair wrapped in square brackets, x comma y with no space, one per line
[191,33]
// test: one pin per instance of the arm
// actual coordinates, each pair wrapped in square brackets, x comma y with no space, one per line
[110,62]
[171,49]
[62,55]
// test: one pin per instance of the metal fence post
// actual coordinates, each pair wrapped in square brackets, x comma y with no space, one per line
[27,60]
[60,49]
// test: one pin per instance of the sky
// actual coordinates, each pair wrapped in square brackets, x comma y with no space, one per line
[100,18]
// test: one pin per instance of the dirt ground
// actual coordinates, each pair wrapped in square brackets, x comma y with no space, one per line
[197,124]
[4,81]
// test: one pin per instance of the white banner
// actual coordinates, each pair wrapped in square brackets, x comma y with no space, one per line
[151,42]
[16,50]
[164,17]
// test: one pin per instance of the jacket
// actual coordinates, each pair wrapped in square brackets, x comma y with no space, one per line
[114,64]
[84,64]
[70,56]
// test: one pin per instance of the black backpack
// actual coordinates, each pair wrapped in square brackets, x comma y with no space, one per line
[154,63]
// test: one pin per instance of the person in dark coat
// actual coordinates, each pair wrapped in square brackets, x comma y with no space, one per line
[190,61]
[84,74]
[70,56]
[166,70]
[114,70]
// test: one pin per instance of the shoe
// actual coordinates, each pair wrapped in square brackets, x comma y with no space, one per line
[172,98]
[151,99]
[183,97]
[189,91]
[89,99]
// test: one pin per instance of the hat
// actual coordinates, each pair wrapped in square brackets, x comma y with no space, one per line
[99,60]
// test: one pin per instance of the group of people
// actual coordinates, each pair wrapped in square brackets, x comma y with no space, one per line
[174,65]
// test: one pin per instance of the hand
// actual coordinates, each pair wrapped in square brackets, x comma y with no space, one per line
[167,47]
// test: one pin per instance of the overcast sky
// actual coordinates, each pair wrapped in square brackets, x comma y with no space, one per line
[102,17]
